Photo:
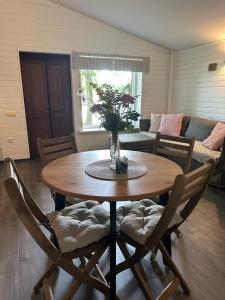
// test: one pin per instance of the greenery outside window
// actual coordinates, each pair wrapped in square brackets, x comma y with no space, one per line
[121,80]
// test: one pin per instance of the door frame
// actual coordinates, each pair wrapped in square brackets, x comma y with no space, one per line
[68,54]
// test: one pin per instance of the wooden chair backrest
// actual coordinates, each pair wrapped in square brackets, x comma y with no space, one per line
[51,149]
[187,189]
[28,211]
[175,146]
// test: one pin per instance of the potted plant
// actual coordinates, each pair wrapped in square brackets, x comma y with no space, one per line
[116,113]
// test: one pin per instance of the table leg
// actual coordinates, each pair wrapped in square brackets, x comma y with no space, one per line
[59,201]
[163,199]
[167,243]
[113,250]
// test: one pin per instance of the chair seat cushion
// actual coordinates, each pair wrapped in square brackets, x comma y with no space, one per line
[138,219]
[73,200]
[79,225]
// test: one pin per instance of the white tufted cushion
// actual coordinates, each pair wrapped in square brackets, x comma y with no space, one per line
[73,200]
[138,219]
[79,225]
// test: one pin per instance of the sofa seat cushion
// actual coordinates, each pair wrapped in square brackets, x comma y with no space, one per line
[150,135]
[138,219]
[79,225]
[135,141]
[202,154]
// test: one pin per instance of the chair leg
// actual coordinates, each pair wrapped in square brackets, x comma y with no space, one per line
[136,272]
[83,276]
[99,273]
[132,260]
[154,253]
[47,290]
[171,287]
[173,267]
[82,261]
[49,271]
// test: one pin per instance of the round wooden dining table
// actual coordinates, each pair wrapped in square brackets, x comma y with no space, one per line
[67,177]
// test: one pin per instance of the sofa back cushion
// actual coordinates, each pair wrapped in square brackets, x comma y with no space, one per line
[216,138]
[171,124]
[155,122]
[200,128]
[185,123]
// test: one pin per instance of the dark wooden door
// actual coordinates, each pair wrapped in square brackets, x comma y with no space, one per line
[47,95]
[36,99]
[59,91]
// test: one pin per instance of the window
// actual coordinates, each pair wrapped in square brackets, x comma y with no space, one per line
[131,81]
[120,71]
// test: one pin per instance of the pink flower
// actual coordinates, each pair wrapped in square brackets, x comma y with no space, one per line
[127,99]
[95,108]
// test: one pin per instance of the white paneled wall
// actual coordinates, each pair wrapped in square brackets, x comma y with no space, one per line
[42,26]
[197,91]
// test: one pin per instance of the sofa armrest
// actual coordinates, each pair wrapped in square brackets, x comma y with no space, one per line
[217,179]
[144,124]
[222,156]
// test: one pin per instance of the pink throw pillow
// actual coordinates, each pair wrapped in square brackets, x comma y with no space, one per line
[215,140]
[171,124]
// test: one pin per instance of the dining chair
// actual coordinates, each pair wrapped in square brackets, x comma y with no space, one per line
[53,148]
[144,224]
[87,237]
[176,148]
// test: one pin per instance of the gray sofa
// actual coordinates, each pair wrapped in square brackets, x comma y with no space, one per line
[191,127]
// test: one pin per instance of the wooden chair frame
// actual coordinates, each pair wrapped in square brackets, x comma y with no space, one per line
[175,146]
[187,190]
[51,149]
[33,218]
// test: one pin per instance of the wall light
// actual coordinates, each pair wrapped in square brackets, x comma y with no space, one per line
[212,67]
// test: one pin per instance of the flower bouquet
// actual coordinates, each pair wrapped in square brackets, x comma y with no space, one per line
[116,113]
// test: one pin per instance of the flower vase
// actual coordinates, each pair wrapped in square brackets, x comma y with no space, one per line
[114,147]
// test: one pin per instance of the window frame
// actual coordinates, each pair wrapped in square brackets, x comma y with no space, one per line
[96,128]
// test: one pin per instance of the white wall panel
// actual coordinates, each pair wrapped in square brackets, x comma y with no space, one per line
[197,91]
[42,26]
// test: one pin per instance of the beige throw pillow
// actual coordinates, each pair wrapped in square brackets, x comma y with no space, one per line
[155,122]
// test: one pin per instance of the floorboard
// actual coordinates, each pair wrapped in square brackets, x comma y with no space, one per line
[199,253]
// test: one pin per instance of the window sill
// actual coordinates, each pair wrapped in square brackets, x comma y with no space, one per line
[102,131]
[94,130]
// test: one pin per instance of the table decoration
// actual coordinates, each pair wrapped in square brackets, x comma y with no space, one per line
[122,165]
[116,113]
[101,169]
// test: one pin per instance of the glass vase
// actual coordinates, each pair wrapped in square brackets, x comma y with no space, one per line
[114,147]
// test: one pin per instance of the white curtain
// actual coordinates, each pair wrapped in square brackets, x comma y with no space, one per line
[97,61]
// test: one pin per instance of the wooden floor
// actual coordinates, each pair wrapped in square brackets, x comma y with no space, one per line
[199,253]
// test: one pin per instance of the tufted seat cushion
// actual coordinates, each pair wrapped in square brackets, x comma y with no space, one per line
[138,219]
[73,200]
[79,225]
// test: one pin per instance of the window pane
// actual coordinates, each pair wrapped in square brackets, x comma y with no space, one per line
[121,80]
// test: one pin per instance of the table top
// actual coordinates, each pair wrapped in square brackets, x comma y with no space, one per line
[67,176]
